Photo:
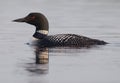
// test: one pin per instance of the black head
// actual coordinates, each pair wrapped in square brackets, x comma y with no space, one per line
[37,19]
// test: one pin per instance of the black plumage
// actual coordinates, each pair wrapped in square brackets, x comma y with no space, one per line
[69,40]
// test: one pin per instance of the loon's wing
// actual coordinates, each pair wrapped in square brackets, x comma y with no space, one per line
[70,40]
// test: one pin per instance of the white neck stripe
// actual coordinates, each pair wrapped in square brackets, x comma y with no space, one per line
[43,31]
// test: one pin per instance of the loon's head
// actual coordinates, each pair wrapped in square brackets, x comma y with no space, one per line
[39,21]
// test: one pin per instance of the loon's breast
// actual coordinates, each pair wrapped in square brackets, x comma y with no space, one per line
[69,40]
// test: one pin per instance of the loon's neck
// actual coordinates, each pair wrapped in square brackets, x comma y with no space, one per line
[42,27]
[40,33]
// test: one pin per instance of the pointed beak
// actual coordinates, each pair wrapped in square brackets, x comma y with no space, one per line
[20,20]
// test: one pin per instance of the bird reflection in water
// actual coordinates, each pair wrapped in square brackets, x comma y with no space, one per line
[41,55]
[41,64]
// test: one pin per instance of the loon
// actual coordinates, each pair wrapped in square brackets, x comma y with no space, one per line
[59,40]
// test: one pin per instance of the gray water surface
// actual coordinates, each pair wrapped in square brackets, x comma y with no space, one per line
[93,18]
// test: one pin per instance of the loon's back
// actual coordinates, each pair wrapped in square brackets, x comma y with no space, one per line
[69,40]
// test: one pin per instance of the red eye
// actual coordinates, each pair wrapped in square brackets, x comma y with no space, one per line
[33,17]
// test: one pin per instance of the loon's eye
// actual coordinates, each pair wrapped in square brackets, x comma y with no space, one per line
[32,17]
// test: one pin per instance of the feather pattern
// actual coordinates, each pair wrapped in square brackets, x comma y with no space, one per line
[69,40]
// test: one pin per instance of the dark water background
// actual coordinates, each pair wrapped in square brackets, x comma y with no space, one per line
[93,18]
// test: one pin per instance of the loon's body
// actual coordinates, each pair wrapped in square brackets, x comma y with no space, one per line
[69,40]
[45,40]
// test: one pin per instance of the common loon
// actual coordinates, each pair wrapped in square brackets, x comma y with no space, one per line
[65,40]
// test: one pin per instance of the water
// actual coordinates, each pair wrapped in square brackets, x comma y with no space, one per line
[93,18]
